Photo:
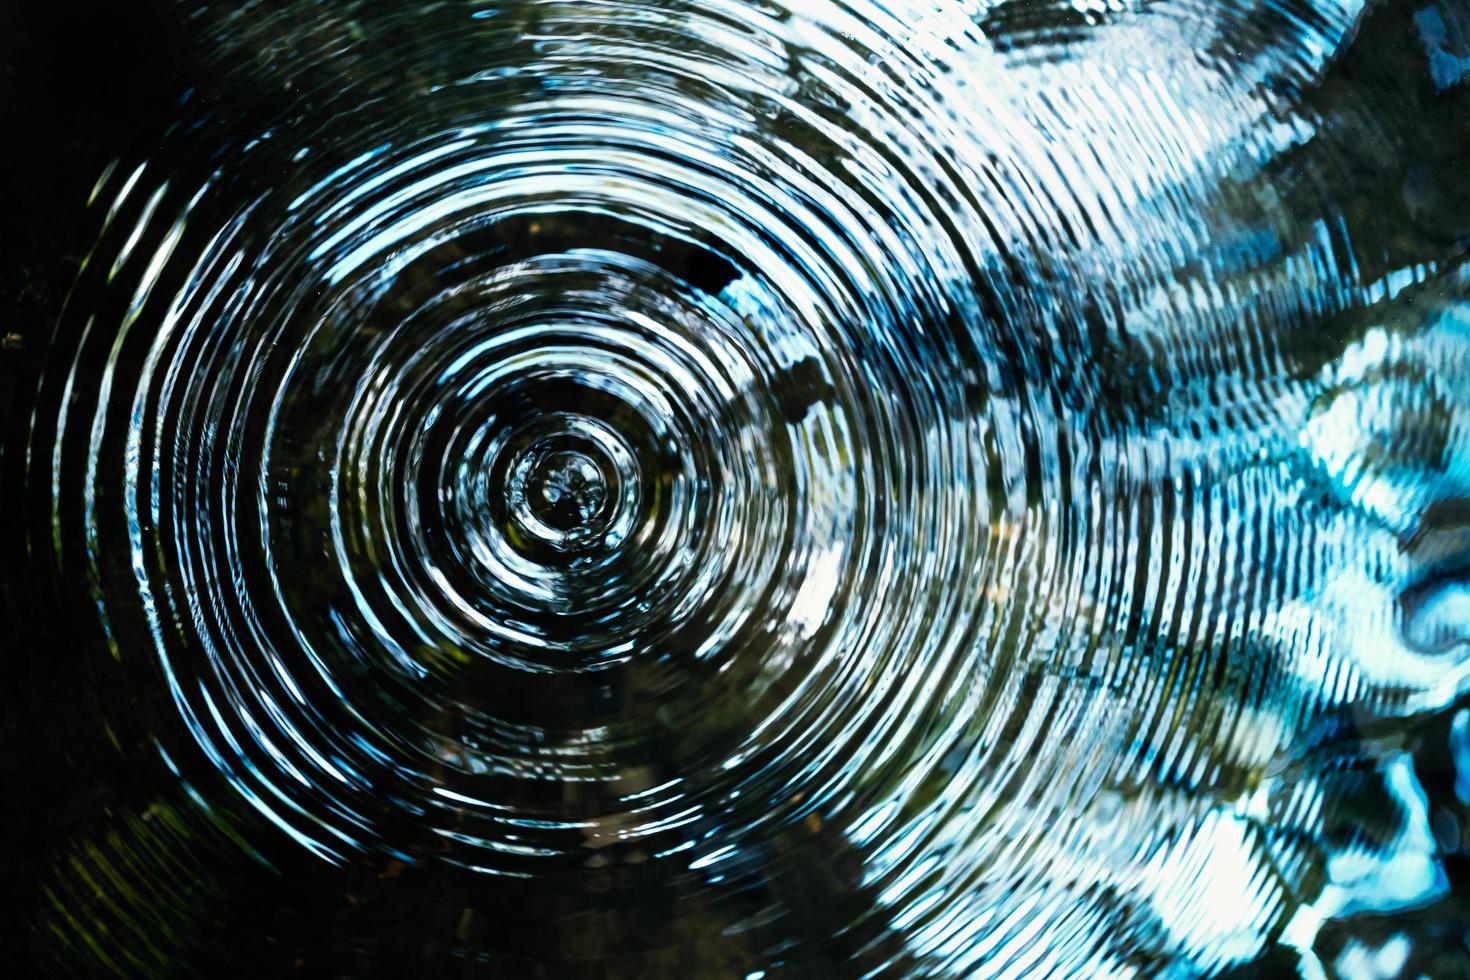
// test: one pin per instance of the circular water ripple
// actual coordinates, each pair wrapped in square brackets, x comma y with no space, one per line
[606,433]
[577,434]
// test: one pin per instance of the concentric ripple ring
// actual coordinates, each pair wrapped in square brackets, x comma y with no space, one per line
[538,439]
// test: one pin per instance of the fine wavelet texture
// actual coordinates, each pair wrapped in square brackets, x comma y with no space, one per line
[953,489]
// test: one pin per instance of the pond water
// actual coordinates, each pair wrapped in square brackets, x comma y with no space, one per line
[734,489]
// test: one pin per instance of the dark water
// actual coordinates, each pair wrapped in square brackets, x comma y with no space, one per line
[738,490]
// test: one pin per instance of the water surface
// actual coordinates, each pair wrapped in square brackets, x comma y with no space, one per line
[753,489]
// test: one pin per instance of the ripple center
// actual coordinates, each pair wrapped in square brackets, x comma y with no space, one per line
[567,490]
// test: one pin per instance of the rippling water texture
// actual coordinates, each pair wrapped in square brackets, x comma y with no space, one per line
[748,489]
